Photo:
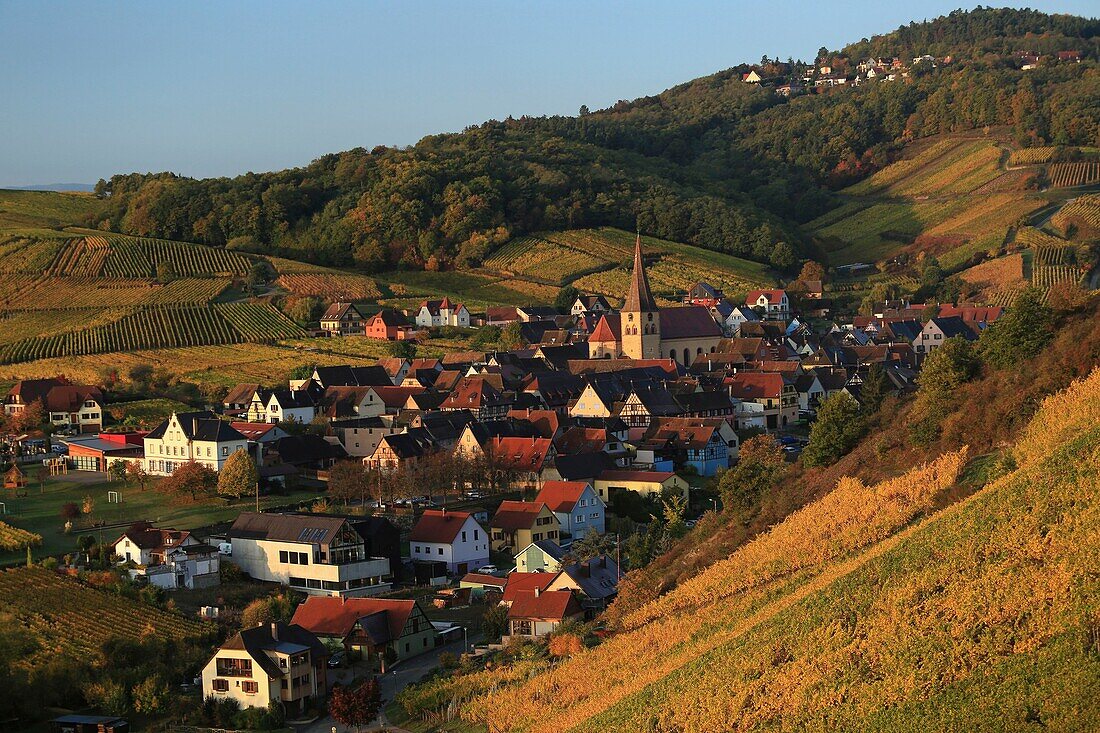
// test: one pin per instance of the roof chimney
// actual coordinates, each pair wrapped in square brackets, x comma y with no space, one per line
[537,591]
[275,630]
[194,426]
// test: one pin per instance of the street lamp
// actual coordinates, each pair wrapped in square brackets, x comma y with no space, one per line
[714,504]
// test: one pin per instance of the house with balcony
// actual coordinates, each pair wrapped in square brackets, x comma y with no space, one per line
[776,396]
[277,662]
[168,558]
[519,523]
[316,554]
[773,305]
[343,319]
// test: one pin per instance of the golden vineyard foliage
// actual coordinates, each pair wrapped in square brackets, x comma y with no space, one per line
[982,617]
[1061,416]
[721,603]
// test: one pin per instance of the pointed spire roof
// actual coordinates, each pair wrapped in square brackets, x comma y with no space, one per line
[639,299]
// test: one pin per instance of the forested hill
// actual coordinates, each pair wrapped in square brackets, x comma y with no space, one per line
[715,162]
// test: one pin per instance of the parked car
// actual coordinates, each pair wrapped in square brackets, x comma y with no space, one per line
[788,440]
[336,660]
[488,569]
[793,450]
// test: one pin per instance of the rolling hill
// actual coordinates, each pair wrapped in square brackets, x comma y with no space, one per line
[880,606]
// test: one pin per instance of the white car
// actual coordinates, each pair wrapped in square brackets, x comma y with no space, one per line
[488,569]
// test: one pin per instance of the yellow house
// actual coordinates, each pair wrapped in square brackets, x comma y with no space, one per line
[518,524]
[646,483]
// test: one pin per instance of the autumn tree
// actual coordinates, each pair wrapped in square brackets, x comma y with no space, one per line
[238,476]
[135,473]
[190,480]
[760,466]
[70,511]
[837,429]
[812,271]
[944,370]
[348,481]
[117,471]
[31,417]
[267,610]
[355,707]
[150,696]
[592,545]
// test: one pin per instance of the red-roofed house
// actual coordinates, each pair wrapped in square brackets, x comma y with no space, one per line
[342,319]
[78,405]
[522,582]
[388,325]
[536,613]
[774,304]
[519,523]
[477,395]
[451,537]
[520,461]
[368,625]
[777,396]
[576,505]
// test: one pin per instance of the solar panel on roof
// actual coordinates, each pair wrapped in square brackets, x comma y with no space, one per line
[303,536]
[319,534]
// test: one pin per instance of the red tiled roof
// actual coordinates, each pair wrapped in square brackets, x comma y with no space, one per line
[557,605]
[561,496]
[582,440]
[526,583]
[979,314]
[70,397]
[470,393]
[253,430]
[396,397]
[438,526]
[748,386]
[607,329]
[329,616]
[772,296]
[546,422]
[520,454]
[513,515]
[484,579]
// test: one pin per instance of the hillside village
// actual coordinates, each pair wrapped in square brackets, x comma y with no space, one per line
[520,480]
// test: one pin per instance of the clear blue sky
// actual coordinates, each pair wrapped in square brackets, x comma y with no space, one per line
[88,89]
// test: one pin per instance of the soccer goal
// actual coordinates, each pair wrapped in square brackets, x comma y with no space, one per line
[114,497]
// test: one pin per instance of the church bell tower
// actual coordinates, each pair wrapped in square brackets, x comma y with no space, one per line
[640,319]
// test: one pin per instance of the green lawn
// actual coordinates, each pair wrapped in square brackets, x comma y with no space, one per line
[41,512]
[26,211]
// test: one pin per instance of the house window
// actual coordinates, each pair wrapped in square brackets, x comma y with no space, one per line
[284,556]
[250,688]
[417,548]
[225,450]
[440,550]
[220,685]
[463,536]
[476,538]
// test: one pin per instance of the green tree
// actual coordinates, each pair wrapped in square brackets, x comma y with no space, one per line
[944,370]
[511,337]
[1022,332]
[117,471]
[593,544]
[401,349]
[166,272]
[238,476]
[565,298]
[875,388]
[269,609]
[494,622]
[759,467]
[304,311]
[260,274]
[837,429]
[673,508]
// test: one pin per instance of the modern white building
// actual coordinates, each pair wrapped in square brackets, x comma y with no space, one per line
[312,553]
[774,304]
[191,436]
[455,538]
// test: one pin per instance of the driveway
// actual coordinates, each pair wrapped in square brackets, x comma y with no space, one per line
[393,682]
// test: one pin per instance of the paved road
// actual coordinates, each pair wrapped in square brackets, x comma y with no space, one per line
[392,683]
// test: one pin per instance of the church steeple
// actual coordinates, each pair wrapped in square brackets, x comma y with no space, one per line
[639,299]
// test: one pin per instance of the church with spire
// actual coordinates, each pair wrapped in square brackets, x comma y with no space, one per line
[642,330]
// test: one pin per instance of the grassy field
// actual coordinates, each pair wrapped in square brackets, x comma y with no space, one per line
[41,512]
[43,213]
[869,609]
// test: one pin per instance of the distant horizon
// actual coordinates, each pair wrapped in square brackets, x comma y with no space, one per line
[209,90]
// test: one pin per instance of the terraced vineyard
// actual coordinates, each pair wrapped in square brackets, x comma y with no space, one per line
[331,286]
[19,325]
[135,257]
[1083,213]
[259,321]
[56,293]
[1031,156]
[1080,173]
[1047,276]
[82,257]
[542,260]
[69,618]
[27,255]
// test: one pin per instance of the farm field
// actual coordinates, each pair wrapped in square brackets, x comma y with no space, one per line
[949,166]
[1082,213]
[1000,274]
[1078,173]
[41,512]
[67,617]
[332,286]
[43,213]
[146,414]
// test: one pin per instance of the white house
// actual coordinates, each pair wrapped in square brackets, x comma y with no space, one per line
[312,553]
[589,304]
[451,537]
[286,405]
[774,304]
[275,662]
[168,558]
[191,436]
[442,313]
[730,317]
[577,506]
